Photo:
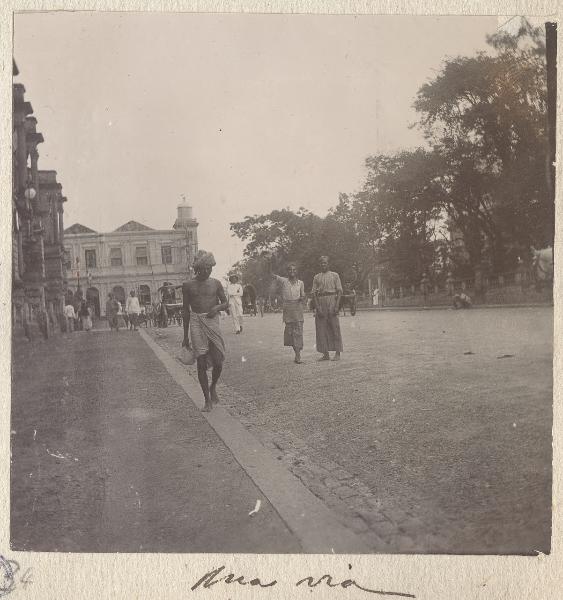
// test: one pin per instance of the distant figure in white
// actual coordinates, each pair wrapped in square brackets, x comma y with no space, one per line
[462,300]
[542,266]
[133,309]
[69,316]
[375,297]
[234,294]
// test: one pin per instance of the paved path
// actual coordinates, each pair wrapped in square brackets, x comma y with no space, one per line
[433,434]
[109,454]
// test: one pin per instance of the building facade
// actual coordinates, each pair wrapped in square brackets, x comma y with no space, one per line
[38,264]
[133,257]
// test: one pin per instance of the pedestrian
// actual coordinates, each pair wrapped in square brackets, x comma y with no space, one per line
[69,316]
[203,298]
[84,314]
[234,293]
[112,310]
[327,291]
[121,315]
[462,300]
[375,297]
[143,317]
[260,305]
[293,298]
[133,310]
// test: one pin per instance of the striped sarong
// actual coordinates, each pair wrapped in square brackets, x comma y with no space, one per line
[206,338]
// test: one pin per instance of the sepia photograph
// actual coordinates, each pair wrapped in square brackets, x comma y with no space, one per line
[282,284]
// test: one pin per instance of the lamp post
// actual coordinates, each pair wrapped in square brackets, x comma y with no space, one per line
[29,192]
[78,273]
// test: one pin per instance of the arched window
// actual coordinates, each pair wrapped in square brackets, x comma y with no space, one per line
[144,294]
[93,300]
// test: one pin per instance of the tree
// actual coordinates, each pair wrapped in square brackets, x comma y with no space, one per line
[302,237]
[483,175]
[282,236]
[396,215]
[486,117]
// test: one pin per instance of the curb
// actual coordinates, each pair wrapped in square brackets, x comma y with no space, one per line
[307,517]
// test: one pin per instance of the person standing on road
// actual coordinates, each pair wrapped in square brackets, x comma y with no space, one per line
[69,316]
[84,314]
[260,305]
[203,299]
[234,293]
[133,309]
[293,297]
[375,297]
[327,291]
[112,310]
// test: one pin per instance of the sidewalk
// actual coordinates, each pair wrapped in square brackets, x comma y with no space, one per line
[110,455]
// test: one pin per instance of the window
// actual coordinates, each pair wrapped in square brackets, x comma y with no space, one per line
[90,256]
[144,295]
[166,255]
[68,258]
[141,255]
[115,257]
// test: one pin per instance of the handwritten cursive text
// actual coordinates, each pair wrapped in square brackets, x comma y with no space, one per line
[219,575]
[210,579]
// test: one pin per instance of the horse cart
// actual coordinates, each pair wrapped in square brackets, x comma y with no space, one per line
[348,300]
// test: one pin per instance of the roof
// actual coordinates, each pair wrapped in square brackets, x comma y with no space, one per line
[134,226]
[78,228]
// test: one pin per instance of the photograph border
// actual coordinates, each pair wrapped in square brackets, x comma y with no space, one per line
[437,577]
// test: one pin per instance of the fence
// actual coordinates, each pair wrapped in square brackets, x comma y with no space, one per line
[515,287]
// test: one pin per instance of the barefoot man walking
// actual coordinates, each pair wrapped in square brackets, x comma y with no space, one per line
[203,299]
[327,291]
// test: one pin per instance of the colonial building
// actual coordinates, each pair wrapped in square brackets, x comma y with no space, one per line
[133,257]
[38,265]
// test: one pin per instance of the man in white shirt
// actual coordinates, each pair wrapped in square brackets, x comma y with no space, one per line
[69,316]
[133,309]
[234,294]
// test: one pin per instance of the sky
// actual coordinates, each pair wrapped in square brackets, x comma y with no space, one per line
[241,114]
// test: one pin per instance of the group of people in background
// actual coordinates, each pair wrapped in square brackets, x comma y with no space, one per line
[79,319]
[118,317]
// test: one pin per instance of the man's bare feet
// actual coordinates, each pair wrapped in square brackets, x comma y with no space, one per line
[213,394]
[324,357]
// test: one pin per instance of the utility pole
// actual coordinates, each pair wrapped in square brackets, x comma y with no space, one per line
[551,64]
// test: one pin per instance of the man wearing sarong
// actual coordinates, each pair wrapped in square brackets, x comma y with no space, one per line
[204,297]
[112,308]
[293,296]
[234,294]
[327,291]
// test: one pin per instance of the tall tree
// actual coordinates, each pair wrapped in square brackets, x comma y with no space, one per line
[486,116]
